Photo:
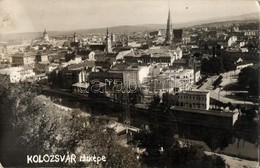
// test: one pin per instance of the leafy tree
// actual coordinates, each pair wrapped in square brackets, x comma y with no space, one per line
[229,104]
[218,139]
[192,157]
[156,99]
[168,99]
[238,106]
[135,96]
[250,113]
[248,78]
[69,57]
[228,62]
[212,65]
[232,108]
[33,125]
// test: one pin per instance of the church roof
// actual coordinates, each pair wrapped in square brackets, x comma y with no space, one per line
[100,47]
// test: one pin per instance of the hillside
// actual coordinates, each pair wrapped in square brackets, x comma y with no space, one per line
[248,18]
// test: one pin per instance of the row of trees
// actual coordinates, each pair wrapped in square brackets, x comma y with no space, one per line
[212,65]
[218,64]
[31,127]
[220,61]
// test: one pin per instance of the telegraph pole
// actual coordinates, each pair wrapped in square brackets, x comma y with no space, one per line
[126,108]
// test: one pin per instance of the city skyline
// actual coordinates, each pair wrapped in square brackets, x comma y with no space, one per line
[33,16]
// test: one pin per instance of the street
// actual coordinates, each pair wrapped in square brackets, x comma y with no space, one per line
[219,94]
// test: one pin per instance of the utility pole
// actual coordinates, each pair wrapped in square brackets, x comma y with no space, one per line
[126,108]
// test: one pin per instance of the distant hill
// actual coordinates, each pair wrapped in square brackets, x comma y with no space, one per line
[125,28]
[248,18]
[252,17]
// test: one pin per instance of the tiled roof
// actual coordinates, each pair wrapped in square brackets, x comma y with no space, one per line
[81,65]
[99,75]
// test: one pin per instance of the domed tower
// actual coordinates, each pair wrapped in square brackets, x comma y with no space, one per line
[75,38]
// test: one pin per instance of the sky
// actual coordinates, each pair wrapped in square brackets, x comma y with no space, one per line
[37,15]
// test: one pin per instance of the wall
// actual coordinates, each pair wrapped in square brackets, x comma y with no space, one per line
[204,119]
[195,100]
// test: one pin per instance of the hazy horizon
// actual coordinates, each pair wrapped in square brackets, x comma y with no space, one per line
[18,16]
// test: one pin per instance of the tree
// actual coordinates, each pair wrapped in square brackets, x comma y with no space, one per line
[168,99]
[232,108]
[238,106]
[218,139]
[69,57]
[250,113]
[229,104]
[248,78]
[192,157]
[32,125]
[228,62]
[135,96]
[212,65]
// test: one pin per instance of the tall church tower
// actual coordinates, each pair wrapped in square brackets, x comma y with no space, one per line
[45,35]
[168,37]
[108,43]
[75,38]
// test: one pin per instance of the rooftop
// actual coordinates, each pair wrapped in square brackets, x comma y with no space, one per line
[206,112]
[196,92]
[81,85]
[21,55]
[97,75]
[81,65]
[8,71]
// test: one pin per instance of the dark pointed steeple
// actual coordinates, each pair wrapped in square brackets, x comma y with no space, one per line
[168,37]
[108,43]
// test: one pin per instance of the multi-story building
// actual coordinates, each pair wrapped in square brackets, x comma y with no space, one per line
[132,74]
[197,76]
[194,99]
[21,59]
[177,35]
[194,63]
[42,58]
[172,80]
[17,74]
[51,67]
[182,78]
[231,40]
[154,56]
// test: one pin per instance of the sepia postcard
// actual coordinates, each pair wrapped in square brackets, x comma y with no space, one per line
[129,83]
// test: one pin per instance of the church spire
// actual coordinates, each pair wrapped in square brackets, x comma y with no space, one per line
[45,36]
[75,38]
[108,43]
[168,37]
[107,31]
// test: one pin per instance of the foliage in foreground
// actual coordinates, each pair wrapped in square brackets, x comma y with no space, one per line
[32,126]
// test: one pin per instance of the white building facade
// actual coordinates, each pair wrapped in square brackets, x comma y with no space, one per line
[194,99]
